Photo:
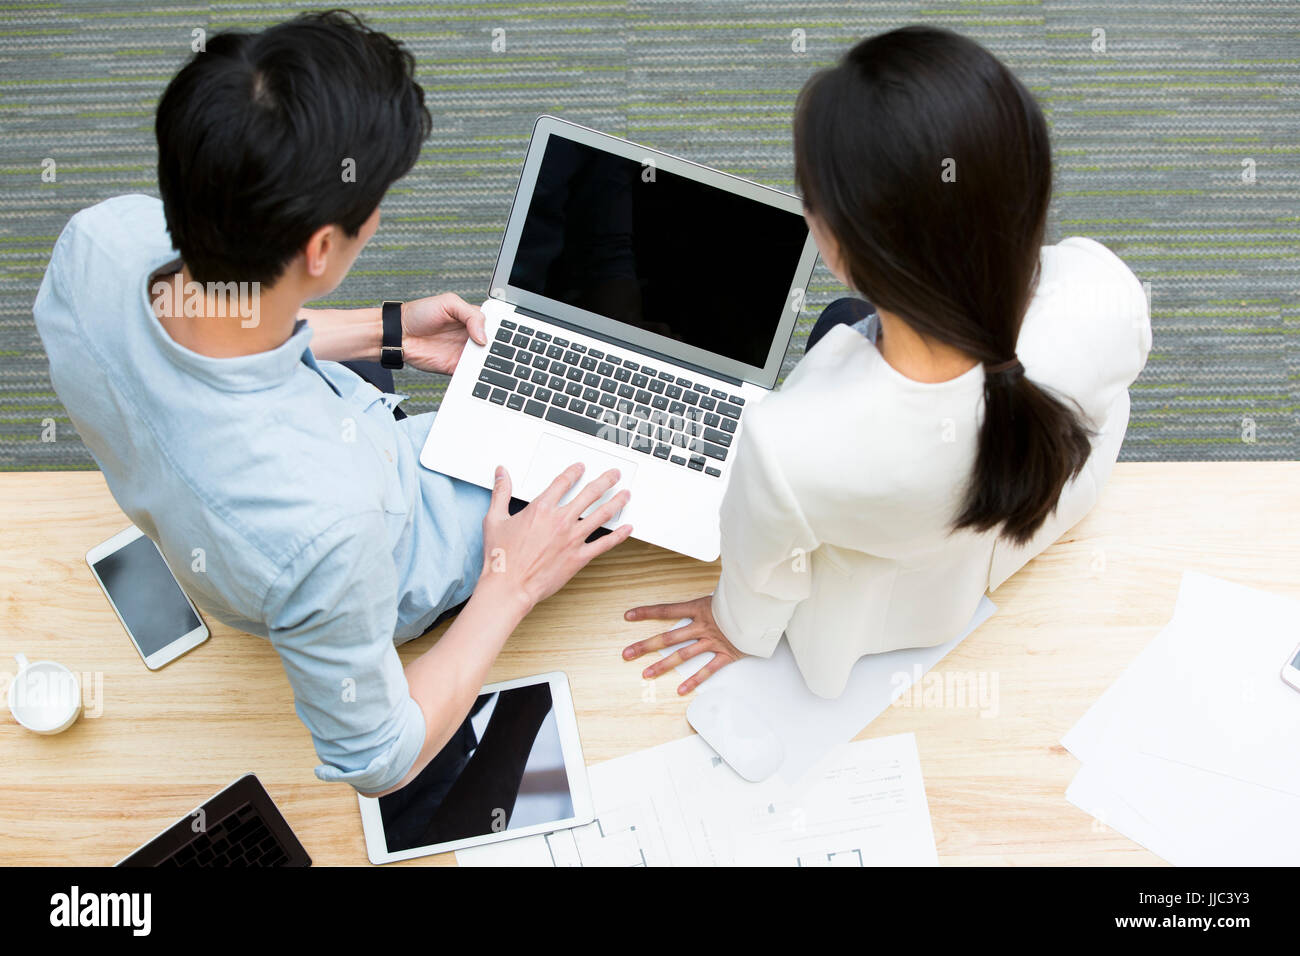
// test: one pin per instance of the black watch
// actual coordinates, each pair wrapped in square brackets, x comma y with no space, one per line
[390,350]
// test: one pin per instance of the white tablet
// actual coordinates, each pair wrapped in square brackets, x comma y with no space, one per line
[514,768]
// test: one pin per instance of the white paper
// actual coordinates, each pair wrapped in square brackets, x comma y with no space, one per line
[679,805]
[810,726]
[1192,752]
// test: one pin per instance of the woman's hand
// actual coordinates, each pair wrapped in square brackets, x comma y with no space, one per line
[435,329]
[530,555]
[702,629]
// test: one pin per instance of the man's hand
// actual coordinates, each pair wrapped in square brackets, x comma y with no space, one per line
[702,629]
[435,329]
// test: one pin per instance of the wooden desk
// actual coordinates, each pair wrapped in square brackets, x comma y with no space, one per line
[1068,625]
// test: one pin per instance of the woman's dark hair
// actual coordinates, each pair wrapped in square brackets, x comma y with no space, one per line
[929,163]
[256,135]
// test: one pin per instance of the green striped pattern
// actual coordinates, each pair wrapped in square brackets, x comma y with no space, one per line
[1150,140]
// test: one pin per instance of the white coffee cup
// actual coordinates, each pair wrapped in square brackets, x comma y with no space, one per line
[44,697]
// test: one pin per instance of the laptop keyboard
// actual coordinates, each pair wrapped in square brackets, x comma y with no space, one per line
[240,839]
[610,397]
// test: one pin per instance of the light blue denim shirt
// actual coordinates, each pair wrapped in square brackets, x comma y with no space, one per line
[284,495]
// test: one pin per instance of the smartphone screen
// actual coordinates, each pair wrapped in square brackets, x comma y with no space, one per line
[153,606]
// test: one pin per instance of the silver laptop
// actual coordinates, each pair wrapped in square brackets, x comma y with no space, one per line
[640,308]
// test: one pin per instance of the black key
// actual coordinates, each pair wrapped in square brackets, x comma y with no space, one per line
[613,360]
[662,451]
[503,334]
[498,364]
[507,324]
[714,451]
[481,390]
[648,370]
[622,374]
[590,395]
[592,410]
[588,363]
[541,361]
[659,418]
[592,379]
[690,398]
[675,422]
[559,401]
[676,408]
[695,464]
[515,401]
[642,396]
[624,406]
[554,352]
[664,376]
[631,366]
[500,348]
[628,422]
[555,384]
[557,368]
[574,389]
[520,340]
[640,381]
[683,382]
[609,418]
[526,330]
[574,375]
[498,396]
[674,391]
[718,393]
[708,402]
[525,388]
[606,400]
[641,412]
[717,437]
[643,444]
[645,428]
[735,400]
[521,371]
[626,391]
[544,336]
[679,439]
[571,357]
[596,355]
[608,385]
[540,378]
[496,378]
[562,343]
[659,402]
[711,419]
[537,345]
[713,471]
[578,348]
[577,407]
[657,386]
[605,368]
[664,434]
[731,411]
[543,395]
[729,425]
[677,460]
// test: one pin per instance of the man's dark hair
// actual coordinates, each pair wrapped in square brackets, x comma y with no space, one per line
[254,136]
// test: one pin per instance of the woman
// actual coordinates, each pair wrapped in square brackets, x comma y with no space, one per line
[928,445]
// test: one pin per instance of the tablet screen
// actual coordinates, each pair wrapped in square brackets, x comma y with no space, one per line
[502,770]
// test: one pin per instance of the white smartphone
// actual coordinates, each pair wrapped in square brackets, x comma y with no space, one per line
[1291,669]
[158,616]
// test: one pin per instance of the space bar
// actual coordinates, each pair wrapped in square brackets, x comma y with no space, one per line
[590,426]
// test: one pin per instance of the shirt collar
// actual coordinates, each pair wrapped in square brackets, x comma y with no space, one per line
[242,373]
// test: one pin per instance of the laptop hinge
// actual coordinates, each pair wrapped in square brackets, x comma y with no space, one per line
[721,376]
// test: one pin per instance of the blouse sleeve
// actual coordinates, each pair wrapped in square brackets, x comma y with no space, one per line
[767,545]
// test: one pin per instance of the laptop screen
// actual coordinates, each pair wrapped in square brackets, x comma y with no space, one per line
[658,251]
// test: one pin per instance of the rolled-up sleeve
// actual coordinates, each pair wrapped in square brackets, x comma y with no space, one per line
[331,615]
[767,546]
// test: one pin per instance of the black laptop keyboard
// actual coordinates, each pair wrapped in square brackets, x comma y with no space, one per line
[610,397]
[240,839]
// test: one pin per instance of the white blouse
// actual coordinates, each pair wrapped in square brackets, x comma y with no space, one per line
[836,521]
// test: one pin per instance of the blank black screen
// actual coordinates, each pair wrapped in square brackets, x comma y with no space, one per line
[663,253]
[146,595]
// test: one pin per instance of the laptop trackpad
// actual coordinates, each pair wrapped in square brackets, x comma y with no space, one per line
[554,454]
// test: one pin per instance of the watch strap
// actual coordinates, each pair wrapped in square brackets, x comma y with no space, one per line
[390,350]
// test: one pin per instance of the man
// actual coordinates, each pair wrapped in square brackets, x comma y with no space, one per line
[284,492]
